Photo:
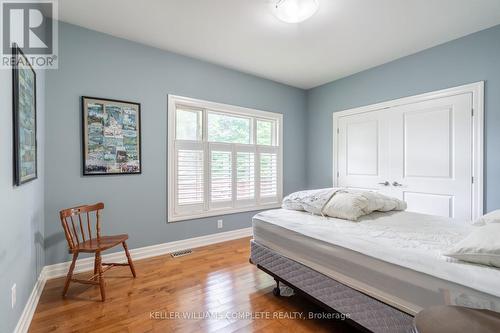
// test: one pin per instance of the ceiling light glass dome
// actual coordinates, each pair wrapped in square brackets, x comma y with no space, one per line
[294,11]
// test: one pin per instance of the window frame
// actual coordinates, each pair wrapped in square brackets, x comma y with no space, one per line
[207,106]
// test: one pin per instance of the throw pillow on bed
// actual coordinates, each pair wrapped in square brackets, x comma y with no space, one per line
[345,205]
[311,201]
[493,216]
[352,204]
[482,246]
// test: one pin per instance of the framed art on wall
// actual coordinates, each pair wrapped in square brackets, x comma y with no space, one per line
[24,118]
[111,137]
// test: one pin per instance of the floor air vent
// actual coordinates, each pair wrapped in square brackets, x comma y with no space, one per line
[181,253]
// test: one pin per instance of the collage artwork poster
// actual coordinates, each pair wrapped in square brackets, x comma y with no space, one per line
[112,137]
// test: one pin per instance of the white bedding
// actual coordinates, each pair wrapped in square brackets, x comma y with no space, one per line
[411,240]
[341,202]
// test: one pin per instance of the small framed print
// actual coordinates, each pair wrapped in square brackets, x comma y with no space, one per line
[111,137]
[24,119]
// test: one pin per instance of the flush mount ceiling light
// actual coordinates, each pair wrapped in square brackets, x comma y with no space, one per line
[294,11]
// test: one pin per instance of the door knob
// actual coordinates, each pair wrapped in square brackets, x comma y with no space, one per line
[386,183]
[396,184]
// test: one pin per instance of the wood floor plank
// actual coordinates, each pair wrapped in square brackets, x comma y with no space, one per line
[214,289]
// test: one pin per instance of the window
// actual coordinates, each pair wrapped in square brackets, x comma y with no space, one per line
[227,128]
[221,159]
[188,124]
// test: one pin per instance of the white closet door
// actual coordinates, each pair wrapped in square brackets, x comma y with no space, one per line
[363,151]
[431,155]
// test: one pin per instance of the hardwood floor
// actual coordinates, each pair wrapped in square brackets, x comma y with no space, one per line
[215,283]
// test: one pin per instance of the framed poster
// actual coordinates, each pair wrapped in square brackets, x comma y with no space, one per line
[111,137]
[24,118]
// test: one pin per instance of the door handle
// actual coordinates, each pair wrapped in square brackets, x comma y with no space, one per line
[386,183]
[396,184]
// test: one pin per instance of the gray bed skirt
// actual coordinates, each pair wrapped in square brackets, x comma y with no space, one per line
[360,308]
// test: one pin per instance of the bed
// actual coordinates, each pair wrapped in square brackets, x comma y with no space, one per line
[383,269]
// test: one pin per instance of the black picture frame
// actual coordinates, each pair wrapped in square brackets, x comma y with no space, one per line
[85,136]
[22,135]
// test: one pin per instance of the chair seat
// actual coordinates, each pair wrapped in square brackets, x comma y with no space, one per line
[105,242]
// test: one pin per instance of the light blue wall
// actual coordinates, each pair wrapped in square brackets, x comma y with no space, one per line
[22,211]
[465,60]
[95,64]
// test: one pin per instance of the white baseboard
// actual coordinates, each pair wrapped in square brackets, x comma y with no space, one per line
[29,309]
[87,264]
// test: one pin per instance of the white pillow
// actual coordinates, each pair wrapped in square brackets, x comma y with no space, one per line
[311,201]
[482,246]
[347,206]
[493,216]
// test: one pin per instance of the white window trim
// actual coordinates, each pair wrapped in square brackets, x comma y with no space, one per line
[174,100]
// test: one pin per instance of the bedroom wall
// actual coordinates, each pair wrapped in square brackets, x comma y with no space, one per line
[95,64]
[466,60]
[22,211]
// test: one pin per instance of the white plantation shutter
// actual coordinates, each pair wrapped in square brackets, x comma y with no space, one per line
[190,177]
[268,175]
[227,165]
[245,175]
[221,175]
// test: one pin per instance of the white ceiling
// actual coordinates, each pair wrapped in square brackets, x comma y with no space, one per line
[342,38]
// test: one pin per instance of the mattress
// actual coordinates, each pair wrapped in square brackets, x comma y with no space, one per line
[395,257]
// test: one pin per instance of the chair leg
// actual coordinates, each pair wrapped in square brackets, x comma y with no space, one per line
[95,268]
[70,273]
[129,258]
[98,262]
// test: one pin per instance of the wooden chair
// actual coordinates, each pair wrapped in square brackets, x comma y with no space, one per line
[79,237]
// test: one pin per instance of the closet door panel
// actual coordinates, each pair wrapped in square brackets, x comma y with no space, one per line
[431,155]
[363,151]
[427,137]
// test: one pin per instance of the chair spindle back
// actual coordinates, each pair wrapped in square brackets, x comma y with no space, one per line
[75,228]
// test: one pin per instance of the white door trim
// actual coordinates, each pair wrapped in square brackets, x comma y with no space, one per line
[477,91]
